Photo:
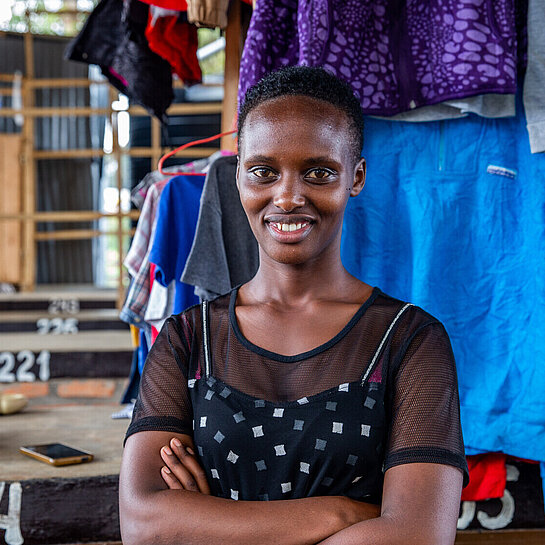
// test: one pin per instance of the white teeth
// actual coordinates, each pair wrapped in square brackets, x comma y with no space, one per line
[289,227]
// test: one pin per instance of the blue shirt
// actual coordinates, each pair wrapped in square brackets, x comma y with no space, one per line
[175,229]
[452,218]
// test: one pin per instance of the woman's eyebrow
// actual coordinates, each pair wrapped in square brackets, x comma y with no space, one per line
[320,159]
[258,158]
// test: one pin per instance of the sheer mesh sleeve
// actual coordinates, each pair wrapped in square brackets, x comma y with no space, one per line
[424,403]
[163,402]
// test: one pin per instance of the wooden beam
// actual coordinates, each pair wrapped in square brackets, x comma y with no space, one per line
[78,234]
[155,142]
[70,216]
[233,52]
[131,152]
[70,111]
[64,82]
[501,537]
[186,108]
[28,279]
[189,152]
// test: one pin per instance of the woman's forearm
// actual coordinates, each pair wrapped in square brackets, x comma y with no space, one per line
[385,531]
[181,517]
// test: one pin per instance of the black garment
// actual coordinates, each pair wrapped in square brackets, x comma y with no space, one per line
[224,253]
[330,421]
[113,37]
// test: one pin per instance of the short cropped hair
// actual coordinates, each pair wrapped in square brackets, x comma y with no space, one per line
[313,82]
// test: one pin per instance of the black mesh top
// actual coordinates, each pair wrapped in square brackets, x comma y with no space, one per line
[332,420]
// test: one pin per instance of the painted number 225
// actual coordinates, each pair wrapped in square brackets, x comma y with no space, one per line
[25,360]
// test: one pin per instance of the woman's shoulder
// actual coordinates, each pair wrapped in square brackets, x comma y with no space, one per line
[409,316]
[192,315]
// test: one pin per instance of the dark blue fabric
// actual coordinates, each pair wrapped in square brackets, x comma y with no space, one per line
[142,351]
[176,224]
[452,218]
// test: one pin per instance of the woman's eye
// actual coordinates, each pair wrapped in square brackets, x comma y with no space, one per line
[262,172]
[319,173]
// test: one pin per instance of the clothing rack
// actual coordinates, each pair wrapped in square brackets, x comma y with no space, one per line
[23,223]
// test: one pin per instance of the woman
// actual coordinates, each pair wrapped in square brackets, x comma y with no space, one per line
[304,385]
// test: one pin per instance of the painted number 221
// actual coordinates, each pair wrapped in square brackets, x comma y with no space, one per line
[26,360]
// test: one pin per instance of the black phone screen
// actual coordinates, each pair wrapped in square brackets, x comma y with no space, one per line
[56,450]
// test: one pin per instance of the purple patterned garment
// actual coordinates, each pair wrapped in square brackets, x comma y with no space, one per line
[396,54]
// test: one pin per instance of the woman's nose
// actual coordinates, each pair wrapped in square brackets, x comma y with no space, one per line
[288,195]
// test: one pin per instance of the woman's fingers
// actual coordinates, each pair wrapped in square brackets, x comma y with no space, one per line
[187,458]
[171,481]
[178,471]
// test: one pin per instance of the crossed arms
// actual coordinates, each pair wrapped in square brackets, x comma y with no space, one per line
[420,505]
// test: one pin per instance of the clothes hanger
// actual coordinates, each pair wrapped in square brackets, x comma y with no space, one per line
[184,146]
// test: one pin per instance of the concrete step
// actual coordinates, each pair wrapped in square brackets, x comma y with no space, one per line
[88,391]
[79,503]
[34,358]
[57,299]
[68,504]
[112,341]
[36,321]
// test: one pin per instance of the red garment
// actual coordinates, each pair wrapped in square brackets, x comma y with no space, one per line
[487,477]
[176,42]
[178,5]
[154,331]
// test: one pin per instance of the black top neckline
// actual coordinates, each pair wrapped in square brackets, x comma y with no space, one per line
[303,355]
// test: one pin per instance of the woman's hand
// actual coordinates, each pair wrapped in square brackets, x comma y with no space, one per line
[182,470]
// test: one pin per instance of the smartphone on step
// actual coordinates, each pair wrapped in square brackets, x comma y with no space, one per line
[57,454]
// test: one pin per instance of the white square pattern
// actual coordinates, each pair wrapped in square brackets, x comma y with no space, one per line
[286,487]
[232,457]
[337,427]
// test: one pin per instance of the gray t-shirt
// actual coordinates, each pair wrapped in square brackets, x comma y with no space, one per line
[224,253]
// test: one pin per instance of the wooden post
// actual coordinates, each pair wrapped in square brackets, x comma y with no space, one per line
[156,147]
[233,51]
[28,281]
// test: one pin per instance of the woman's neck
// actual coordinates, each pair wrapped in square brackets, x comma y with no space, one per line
[296,285]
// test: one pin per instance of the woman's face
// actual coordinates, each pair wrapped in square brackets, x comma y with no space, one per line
[296,172]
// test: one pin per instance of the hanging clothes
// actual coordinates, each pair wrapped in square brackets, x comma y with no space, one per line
[113,37]
[487,477]
[208,13]
[396,55]
[224,253]
[175,40]
[137,260]
[174,233]
[534,81]
[453,218]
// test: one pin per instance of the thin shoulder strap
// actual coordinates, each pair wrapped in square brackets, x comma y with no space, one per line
[206,337]
[383,341]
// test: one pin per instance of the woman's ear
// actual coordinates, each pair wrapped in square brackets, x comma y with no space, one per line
[238,171]
[360,171]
